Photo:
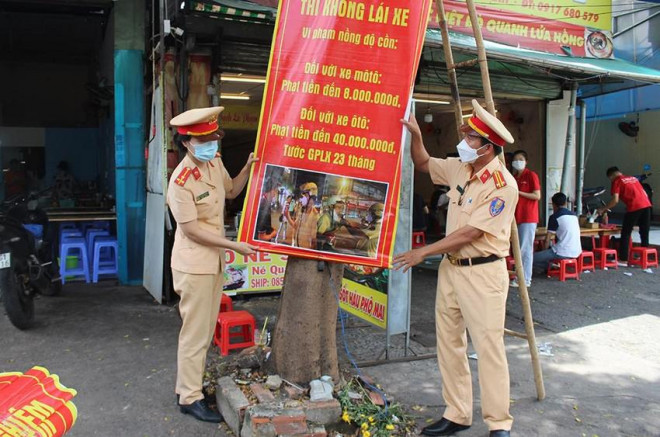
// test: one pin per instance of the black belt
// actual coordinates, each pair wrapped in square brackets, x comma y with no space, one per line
[472,261]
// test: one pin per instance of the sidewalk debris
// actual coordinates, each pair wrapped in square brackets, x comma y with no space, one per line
[627,273]
[647,271]
[473,356]
[545,349]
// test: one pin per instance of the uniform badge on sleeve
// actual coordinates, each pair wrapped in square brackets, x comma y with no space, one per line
[183,176]
[196,173]
[484,176]
[496,206]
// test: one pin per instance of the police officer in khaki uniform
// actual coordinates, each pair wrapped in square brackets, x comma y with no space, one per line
[472,280]
[196,196]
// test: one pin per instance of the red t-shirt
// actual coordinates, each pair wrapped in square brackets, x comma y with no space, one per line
[630,192]
[527,210]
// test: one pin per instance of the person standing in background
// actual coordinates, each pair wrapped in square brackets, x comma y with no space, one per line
[638,209]
[527,211]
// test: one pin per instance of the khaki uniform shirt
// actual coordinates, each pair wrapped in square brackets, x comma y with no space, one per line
[487,202]
[198,193]
[306,230]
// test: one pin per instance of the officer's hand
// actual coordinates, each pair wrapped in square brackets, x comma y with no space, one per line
[412,125]
[251,160]
[408,259]
[246,249]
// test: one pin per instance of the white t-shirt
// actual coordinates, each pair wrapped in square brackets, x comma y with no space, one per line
[566,226]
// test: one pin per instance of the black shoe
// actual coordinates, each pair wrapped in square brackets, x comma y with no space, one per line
[200,411]
[443,427]
[500,433]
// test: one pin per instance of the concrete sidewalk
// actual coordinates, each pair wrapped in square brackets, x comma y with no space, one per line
[118,349]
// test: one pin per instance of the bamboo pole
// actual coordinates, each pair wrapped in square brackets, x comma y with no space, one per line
[451,68]
[515,240]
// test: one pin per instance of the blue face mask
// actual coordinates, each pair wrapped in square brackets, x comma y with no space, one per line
[205,151]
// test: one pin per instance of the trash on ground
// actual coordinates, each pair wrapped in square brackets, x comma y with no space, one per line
[545,349]
[627,273]
[473,356]
[648,271]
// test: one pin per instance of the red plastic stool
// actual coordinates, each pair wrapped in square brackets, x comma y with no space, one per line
[563,270]
[418,240]
[586,261]
[603,260]
[646,257]
[226,304]
[511,266]
[223,331]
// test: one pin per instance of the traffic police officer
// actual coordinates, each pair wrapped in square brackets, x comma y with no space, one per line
[472,280]
[196,196]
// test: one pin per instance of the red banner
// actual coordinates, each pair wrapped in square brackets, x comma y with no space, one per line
[341,74]
[526,31]
[35,404]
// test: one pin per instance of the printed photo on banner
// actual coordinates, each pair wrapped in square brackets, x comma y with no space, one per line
[320,212]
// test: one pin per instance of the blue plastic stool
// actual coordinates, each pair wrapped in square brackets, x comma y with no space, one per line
[100,224]
[70,233]
[91,236]
[105,266]
[68,226]
[74,246]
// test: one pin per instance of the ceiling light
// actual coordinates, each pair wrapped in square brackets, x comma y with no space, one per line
[432,102]
[234,97]
[248,79]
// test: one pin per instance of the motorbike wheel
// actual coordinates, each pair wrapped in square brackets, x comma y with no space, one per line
[18,305]
[54,288]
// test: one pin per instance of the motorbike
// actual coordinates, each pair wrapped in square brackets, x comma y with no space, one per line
[28,265]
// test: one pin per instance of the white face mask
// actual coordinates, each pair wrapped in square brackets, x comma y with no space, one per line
[304,200]
[518,165]
[467,154]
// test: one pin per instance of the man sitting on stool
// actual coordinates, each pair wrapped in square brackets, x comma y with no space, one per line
[564,225]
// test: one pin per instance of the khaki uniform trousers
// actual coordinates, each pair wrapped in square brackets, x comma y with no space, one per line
[199,308]
[473,297]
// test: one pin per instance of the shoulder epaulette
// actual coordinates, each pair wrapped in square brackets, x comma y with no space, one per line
[498,178]
[183,176]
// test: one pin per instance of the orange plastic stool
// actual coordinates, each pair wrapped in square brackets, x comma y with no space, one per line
[646,257]
[226,304]
[563,271]
[242,320]
[418,240]
[586,261]
[603,260]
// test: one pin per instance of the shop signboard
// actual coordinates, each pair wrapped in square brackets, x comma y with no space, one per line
[565,27]
[328,181]
[363,289]
[240,117]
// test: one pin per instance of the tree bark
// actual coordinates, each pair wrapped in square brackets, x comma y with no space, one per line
[305,341]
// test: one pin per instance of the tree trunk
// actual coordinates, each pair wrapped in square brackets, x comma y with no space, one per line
[304,342]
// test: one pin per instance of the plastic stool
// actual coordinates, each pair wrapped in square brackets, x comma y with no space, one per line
[105,267]
[70,233]
[511,266]
[223,331]
[226,304]
[586,261]
[75,245]
[563,270]
[602,258]
[90,236]
[647,257]
[68,227]
[418,239]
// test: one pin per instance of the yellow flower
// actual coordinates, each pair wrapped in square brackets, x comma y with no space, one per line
[389,426]
[365,426]
[366,434]
[371,419]
[345,417]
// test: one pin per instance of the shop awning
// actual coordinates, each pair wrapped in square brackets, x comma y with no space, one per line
[235,9]
[590,71]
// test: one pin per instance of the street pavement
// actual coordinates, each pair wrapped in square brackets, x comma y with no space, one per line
[117,348]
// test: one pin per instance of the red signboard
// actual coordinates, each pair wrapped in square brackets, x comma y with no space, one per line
[35,404]
[526,31]
[329,141]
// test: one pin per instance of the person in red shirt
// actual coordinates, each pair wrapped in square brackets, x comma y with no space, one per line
[638,208]
[527,211]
